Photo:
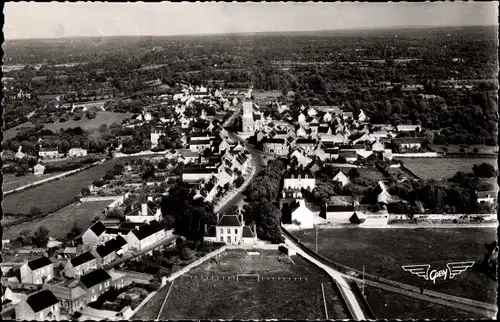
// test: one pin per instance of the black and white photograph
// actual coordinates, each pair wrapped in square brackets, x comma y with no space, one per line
[249,161]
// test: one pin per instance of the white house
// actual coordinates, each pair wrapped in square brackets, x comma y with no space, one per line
[312,112]
[77,152]
[341,178]
[488,197]
[38,169]
[145,235]
[231,229]
[302,118]
[147,212]
[362,116]
[327,117]
[378,146]
[94,235]
[48,153]
[301,158]
[19,154]
[41,306]
[80,265]
[409,143]
[407,128]
[302,214]
[299,179]
[37,271]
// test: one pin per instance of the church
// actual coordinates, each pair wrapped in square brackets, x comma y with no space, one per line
[251,120]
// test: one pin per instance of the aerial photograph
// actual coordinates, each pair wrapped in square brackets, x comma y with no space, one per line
[249,161]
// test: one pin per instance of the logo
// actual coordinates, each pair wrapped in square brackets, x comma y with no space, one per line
[451,270]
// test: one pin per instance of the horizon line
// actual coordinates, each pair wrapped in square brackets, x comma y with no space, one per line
[261,32]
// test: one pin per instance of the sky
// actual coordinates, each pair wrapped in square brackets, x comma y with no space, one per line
[56,19]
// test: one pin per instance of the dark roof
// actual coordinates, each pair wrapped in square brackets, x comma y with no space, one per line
[348,154]
[143,232]
[81,259]
[155,226]
[408,140]
[200,142]
[199,170]
[229,220]
[129,225]
[298,172]
[98,228]
[94,278]
[42,300]
[323,129]
[352,147]
[305,141]
[339,208]
[116,231]
[247,232]
[39,263]
[280,141]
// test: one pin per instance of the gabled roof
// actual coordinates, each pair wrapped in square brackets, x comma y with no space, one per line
[155,226]
[98,228]
[41,300]
[229,221]
[82,259]
[94,278]
[295,173]
[247,232]
[348,154]
[39,263]
[339,208]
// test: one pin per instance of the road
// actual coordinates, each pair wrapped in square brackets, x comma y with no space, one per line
[348,294]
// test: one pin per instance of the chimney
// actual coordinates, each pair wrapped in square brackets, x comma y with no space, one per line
[302,202]
[255,230]
[205,228]
[144,209]
[217,218]
[241,219]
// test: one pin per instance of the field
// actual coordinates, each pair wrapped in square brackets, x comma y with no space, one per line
[10,181]
[194,298]
[442,168]
[61,222]
[103,117]
[389,305]
[384,251]
[265,95]
[53,195]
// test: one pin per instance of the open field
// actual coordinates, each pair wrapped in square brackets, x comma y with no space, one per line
[384,251]
[388,305]
[52,196]
[103,117]
[192,297]
[60,222]
[10,181]
[442,168]
[265,95]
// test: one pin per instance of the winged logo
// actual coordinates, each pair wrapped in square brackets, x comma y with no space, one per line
[419,270]
[458,268]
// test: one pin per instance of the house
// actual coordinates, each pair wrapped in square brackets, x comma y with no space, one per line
[327,117]
[94,235]
[231,229]
[378,146]
[147,212]
[48,153]
[409,143]
[107,252]
[199,145]
[80,265]
[299,179]
[77,152]
[302,214]
[407,128]
[145,235]
[302,118]
[307,145]
[350,156]
[195,174]
[340,214]
[488,197]
[341,178]
[302,160]
[38,169]
[275,146]
[19,154]
[362,116]
[37,271]
[41,306]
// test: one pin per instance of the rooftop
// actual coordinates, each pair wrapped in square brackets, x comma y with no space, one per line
[42,300]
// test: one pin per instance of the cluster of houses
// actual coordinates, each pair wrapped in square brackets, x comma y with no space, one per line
[84,270]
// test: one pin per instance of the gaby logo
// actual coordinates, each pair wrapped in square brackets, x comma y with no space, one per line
[452,270]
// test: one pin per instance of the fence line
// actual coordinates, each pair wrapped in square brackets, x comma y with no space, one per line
[227,278]
[165,300]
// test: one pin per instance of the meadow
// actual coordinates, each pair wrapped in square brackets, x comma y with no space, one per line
[442,168]
[11,182]
[62,221]
[384,251]
[192,297]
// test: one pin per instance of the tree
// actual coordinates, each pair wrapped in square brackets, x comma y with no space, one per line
[35,211]
[41,237]
[484,170]
[353,173]
[116,212]
[85,191]
[91,114]
[239,181]
[26,237]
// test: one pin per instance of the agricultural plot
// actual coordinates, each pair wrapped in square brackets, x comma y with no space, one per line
[384,251]
[389,305]
[11,182]
[56,194]
[61,222]
[197,296]
[442,168]
[371,173]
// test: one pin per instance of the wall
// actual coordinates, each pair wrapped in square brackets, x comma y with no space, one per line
[417,155]
[195,263]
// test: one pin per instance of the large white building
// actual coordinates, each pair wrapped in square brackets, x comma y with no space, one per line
[247,118]
[231,229]
[302,215]
[299,179]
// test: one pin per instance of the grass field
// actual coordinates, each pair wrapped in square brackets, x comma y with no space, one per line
[371,173]
[10,181]
[103,117]
[53,195]
[442,168]
[60,222]
[384,251]
[389,305]
[195,298]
